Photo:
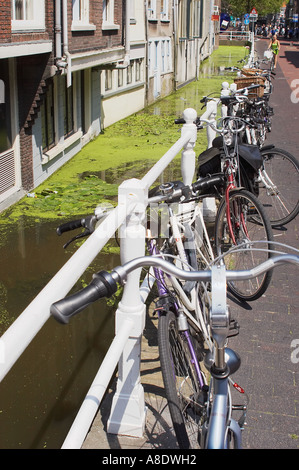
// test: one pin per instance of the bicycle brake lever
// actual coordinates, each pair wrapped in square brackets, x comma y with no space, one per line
[89,224]
[80,235]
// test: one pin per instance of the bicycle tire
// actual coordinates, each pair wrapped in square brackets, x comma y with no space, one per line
[182,387]
[282,203]
[250,224]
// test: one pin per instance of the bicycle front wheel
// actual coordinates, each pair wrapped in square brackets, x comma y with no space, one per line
[182,385]
[238,226]
[278,186]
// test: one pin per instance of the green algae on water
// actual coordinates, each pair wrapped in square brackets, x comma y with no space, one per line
[129,147]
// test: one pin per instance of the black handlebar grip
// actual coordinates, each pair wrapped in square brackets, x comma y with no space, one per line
[102,285]
[180,121]
[208,182]
[68,226]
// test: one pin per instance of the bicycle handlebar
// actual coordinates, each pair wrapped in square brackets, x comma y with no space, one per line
[104,284]
[88,222]
[73,224]
[222,130]
[168,193]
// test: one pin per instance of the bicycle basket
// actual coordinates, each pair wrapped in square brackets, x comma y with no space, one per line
[250,72]
[243,82]
[268,55]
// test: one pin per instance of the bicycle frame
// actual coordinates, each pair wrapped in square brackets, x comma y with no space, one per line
[219,422]
[176,221]
[231,185]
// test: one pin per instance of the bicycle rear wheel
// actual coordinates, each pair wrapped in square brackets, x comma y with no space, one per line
[278,186]
[183,390]
[249,224]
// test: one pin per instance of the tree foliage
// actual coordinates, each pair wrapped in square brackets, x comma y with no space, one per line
[240,7]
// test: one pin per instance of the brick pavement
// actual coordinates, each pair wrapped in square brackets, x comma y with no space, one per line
[268,327]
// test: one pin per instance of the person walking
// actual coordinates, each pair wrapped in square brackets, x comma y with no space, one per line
[274,45]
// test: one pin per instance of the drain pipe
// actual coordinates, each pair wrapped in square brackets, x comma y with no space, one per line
[62,62]
[126,62]
[66,44]
[57,30]
[176,41]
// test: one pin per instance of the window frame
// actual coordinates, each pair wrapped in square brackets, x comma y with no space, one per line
[108,15]
[38,21]
[165,10]
[80,16]
[68,111]
[130,70]
[120,78]
[48,132]
[152,10]
[108,80]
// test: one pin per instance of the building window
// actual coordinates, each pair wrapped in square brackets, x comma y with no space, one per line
[152,10]
[166,55]
[23,9]
[165,10]
[138,70]
[47,118]
[190,18]
[28,15]
[108,15]
[196,18]
[163,65]
[5,117]
[120,77]
[80,10]
[130,72]
[68,110]
[183,15]
[108,80]
[132,12]
[160,57]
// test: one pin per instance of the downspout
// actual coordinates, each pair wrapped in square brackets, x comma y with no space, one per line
[146,53]
[211,28]
[63,61]
[198,48]
[57,30]
[126,62]
[66,43]
[175,49]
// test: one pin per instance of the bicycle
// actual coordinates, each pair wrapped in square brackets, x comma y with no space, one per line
[240,215]
[269,56]
[207,404]
[280,201]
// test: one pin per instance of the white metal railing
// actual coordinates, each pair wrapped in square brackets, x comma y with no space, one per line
[235,35]
[128,408]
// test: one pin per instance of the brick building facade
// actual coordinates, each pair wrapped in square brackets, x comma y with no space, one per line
[66,66]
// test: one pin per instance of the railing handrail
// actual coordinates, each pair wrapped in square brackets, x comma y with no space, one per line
[19,335]
[233,32]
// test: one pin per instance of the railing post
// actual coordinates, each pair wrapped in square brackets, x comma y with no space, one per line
[210,114]
[127,414]
[188,154]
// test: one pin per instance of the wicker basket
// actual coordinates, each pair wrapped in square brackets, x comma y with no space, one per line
[243,82]
[250,72]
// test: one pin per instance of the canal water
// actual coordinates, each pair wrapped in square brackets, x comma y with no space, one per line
[41,395]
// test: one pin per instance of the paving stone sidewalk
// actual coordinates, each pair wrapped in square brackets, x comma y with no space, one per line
[268,326]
